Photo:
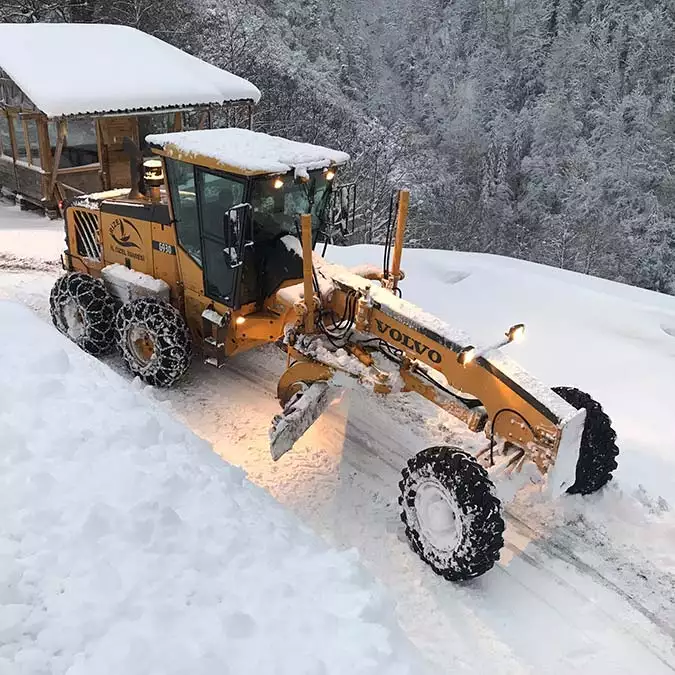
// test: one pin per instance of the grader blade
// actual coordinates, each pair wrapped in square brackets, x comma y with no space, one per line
[301,411]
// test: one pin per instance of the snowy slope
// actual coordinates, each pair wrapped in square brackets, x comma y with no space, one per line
[584,585]
[128,546]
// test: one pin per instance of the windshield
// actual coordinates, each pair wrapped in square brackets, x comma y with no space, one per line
[278,200]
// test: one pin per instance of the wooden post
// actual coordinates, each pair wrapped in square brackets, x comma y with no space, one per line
[46,159]
[26,140]
[102,150]
[12,133]
[401,219]
[44,144]
[13,145]
[307,276]
[178,122]
[57,156]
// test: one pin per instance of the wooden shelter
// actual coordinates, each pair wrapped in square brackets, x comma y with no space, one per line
[71,93]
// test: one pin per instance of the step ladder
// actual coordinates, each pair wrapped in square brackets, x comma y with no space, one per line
[214,331]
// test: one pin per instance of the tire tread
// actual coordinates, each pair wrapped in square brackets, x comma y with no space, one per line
[598,452]
[473,493]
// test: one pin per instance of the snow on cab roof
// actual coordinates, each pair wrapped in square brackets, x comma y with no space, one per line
[245,151]
[115,69]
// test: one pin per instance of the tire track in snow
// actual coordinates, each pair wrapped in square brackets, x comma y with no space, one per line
[565,553]
[545,556]
[601,608]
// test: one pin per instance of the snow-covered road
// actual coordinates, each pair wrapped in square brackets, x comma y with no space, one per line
[584,584]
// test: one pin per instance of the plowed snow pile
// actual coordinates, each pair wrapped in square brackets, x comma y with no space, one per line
[127,546]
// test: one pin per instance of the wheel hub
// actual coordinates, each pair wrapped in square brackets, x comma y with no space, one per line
[438,516]
[141,344]
[73,319]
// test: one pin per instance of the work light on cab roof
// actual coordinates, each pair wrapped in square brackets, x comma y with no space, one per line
[215,250]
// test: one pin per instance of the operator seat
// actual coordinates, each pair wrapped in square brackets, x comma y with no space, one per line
[281,260]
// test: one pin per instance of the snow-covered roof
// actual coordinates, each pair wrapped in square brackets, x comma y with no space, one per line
[109,69]
[244,151]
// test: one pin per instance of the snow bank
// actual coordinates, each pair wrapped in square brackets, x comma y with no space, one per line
[127,546]
[124,69]
[249,151]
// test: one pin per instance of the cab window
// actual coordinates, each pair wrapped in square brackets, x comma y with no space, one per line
[277,205]
[181,178]
[218,193]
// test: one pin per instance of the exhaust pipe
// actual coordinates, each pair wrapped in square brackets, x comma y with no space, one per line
[138,189]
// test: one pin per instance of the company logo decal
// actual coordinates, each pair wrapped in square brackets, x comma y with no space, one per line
[127,238]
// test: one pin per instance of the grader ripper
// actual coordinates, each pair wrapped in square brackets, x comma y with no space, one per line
[214,246]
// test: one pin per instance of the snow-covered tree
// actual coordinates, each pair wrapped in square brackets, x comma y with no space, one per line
[543,129]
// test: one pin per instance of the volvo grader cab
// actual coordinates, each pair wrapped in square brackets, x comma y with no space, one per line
[216,250]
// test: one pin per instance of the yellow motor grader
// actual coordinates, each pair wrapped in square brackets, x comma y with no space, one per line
[214,246]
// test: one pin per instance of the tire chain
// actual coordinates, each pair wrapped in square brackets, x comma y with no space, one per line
[170,335]
[97,310]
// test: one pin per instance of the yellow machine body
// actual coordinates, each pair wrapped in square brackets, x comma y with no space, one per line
[140,234]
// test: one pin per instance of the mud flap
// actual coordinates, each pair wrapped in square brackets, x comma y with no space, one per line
[562,474]
[301,411]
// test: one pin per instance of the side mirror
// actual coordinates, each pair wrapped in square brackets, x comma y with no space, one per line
[237,235]
[342,210]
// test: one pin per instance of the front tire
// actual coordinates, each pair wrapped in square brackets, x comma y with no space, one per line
[154,340]
[598,451]
[84,311]
[452,517]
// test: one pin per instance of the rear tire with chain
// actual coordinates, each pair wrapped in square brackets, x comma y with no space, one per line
[84,311]
[452,517]
[598,451]
[154,340]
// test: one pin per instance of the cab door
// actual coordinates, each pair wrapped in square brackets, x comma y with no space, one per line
[217,194]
